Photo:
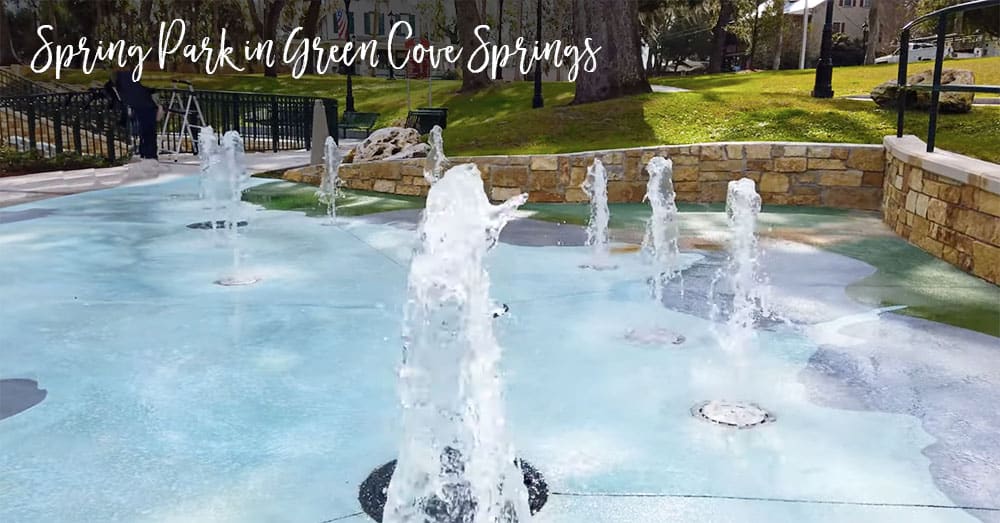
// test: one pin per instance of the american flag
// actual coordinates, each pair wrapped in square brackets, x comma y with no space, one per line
[340,17]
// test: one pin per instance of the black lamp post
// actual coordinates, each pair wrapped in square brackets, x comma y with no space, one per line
[824,69]
[538,101]
[350,69]
[500,37]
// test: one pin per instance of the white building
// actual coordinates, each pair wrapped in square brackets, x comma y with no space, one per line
[849,17]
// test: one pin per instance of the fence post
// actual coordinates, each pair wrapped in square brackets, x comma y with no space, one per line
[110,133]
[332,125]
[32,141]
[77,139]
[57,123]
[942,28]
[274,124]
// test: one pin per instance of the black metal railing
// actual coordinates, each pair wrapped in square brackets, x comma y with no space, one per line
[267,122]
[88,123]
[16,85]
[942,16]
[53,124]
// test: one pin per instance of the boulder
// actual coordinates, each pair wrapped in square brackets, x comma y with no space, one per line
[385,143]
[885,94]
[417,150]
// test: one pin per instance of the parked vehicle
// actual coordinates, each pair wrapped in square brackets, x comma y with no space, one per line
[919,52]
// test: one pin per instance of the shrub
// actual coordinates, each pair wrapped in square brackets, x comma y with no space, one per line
[14,162]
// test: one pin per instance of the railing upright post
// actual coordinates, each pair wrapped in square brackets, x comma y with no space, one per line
[275,129]
[904,58]
[32,140]
[942,28]
[57,125]
[110,134]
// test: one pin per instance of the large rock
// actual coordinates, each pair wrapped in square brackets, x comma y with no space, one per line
[386,143]
[886,94]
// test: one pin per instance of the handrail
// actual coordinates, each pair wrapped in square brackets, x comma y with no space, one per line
[957,8]
[936,88]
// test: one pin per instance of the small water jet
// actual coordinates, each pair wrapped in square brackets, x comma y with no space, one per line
[229,176]
[436,161]
[596,187]
[329,187]
[456,463]
[659,245]
[737,335]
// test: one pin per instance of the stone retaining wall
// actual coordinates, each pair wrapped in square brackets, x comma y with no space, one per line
[946,204]
[828,175]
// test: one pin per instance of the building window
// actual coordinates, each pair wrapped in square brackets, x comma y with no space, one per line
[370,23]
[838,27]
[847,3]
[865,3]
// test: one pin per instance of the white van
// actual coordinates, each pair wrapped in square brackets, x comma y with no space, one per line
[919,52]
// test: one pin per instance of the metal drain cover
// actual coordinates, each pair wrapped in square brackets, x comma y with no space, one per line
[736,414]
[237,281]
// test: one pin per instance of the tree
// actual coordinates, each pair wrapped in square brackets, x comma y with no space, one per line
[727,11]
[980,20]
[310,25]
[265,24]
[874,31]
[612,25]
[6,54]
[468,16]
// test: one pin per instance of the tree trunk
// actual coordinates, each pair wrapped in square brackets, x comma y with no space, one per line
[267,29]
[780,6]
[6,56]
[726,12]
[874,28]
[309,27]
[468,17]
[614,26]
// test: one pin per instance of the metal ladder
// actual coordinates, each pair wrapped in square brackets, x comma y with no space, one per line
[183,104]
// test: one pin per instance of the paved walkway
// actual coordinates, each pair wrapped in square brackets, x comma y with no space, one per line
[38,186]
[668,89]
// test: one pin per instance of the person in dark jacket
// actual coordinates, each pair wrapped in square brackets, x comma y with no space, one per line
[139,99]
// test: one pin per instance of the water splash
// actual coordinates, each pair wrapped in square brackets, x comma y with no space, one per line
[455,463]
[329,188]
[742,271]
[596,187]
[662,230]
[230,177]
[436,161]
[208,144]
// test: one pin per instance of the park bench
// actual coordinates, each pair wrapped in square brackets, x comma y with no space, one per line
[358,121]
[425,118]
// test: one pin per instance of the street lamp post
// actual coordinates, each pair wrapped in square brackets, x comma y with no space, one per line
[350,69]
[824,69]
[538,102]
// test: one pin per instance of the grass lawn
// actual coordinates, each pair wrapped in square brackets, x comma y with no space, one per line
[770,105]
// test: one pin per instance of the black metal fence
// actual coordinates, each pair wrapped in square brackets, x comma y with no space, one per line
[16,85]
[53,124]
[88,123]
[942,16]
[267,122]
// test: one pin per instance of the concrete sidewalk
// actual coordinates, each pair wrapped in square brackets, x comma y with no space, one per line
[38,186]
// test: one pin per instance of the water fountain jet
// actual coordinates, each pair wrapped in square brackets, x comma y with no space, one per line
[596,187]
[738,336]
[329,188]
[229,176]
[662,232]
[456,463]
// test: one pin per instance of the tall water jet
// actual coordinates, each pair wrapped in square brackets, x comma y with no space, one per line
[662,229]
[436,161]
[456,463]
[329,187]
[230,178]
[742,276]
[596,187]
[208,144]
